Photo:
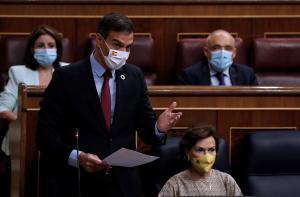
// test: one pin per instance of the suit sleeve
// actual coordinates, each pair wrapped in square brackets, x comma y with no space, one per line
[253,79]
[183,79]
[146,116]
[50,127]
[8,98]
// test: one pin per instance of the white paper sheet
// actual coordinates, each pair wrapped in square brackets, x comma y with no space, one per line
[128,158]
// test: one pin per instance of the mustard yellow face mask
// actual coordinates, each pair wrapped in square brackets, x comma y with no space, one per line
[204,163]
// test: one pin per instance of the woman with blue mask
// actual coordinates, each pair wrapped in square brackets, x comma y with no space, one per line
[42,55]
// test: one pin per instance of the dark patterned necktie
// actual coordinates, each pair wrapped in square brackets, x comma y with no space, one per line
[105,98]
[220,77]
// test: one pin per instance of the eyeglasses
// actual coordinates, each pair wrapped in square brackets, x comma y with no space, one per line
[202,151]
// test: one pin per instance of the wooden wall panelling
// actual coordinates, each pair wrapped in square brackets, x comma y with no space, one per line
[282,35]
[256,118]
[163,30]
[157,28]
[275,24]
[171,8]
[84,27]
[65,26]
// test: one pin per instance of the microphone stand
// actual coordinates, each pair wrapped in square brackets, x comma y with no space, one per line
[77,156]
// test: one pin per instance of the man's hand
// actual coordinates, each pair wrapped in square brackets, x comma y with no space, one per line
[92,163]
[8,115]
[168,119]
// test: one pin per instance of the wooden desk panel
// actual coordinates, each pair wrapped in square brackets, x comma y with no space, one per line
[249,108]
[234,110]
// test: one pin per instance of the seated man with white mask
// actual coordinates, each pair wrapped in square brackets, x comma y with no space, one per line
[219,68]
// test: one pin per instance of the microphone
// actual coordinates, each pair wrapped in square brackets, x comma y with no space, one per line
[77,157]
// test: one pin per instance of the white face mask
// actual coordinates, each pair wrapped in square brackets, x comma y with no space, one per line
[115,58]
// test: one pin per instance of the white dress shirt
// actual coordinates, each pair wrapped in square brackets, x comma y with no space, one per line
[214,80]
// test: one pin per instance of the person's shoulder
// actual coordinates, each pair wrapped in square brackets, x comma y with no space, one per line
[174,180]
[16,69]
[218,172]
[185,174]
[66,67]
[72,72]
[195,66]
[172,185]
[132,68]
[64,63]
[242,67]
[225,176]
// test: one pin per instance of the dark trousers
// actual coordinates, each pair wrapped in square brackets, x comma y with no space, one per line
[90,186]
[5,174]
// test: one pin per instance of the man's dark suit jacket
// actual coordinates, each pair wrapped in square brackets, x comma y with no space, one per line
[198,74]
[71,101]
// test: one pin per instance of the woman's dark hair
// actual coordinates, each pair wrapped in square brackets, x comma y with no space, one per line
[196,133]
[114,22]
[30,62]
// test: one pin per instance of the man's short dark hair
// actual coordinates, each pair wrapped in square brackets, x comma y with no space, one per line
[114,22]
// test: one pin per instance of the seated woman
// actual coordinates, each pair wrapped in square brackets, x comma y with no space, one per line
[42,55]
[199,146]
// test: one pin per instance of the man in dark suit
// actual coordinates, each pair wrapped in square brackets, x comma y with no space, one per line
[219,68]
[105,100]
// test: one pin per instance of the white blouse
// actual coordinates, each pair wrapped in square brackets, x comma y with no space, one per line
[9,96]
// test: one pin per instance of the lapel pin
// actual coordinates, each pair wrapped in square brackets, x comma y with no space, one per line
[122,77]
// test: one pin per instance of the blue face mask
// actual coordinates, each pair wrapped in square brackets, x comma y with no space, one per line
[45,57]
[220,60]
